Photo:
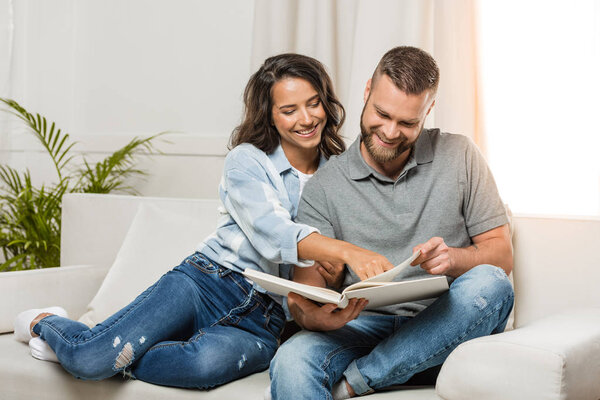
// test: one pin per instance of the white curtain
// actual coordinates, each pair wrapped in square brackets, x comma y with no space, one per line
[350,36]
[6,52]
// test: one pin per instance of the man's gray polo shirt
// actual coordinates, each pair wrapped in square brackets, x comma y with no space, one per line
[446,189]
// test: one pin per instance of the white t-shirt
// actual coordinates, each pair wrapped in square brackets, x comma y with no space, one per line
[303,178]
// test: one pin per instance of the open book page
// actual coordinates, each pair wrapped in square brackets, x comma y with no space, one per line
[387,276]
[379,291]
[400,292]
[277,285]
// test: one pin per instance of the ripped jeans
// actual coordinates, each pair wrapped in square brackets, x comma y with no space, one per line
[376,351]
[199,326]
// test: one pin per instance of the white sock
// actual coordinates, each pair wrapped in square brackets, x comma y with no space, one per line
[339,391]
[40,350]
[23,321]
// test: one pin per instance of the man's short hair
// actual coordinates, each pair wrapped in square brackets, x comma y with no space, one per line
[411,69]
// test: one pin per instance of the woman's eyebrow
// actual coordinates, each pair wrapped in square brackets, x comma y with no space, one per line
[316,96]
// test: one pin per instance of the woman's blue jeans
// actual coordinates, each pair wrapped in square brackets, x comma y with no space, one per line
[199,326]
[373,352]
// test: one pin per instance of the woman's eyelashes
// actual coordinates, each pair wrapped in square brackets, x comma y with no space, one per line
[314,104]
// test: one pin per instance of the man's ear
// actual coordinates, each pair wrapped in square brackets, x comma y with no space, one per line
[430,107]
[367,90]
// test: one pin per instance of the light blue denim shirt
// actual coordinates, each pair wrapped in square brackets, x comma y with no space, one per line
[260,194]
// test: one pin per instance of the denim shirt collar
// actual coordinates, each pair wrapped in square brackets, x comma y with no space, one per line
[281,162]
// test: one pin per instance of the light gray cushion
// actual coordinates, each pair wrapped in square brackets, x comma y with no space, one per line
[554,358]
[158,240]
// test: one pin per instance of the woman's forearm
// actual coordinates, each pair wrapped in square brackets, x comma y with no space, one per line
[322,248]
[364,263]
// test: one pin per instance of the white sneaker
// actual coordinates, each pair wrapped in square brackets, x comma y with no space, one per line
[23,321]
[41,350]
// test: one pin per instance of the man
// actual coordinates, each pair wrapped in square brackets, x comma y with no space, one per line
[398,189]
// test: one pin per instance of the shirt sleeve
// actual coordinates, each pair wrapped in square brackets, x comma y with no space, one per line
[250,197]
[313,209]
[483,208]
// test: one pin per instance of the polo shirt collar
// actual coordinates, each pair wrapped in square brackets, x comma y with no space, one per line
[281,162]
[359,169]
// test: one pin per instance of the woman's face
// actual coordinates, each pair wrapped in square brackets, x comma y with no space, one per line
[298,114]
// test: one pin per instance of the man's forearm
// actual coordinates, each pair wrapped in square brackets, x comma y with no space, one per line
[494,249]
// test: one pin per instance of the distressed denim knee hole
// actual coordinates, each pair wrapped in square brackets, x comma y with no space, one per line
[125,357]
[480,302]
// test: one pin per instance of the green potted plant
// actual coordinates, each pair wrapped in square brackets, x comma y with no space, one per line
[30,215]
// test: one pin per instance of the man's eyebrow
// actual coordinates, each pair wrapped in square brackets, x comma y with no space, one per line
[385,113]
[316,96]
[380,110]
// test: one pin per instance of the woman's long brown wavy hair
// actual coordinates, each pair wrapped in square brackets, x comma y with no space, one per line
[257,127]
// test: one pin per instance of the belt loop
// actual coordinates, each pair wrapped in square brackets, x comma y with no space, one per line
[270,306]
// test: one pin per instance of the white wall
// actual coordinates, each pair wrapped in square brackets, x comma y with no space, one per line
[108,70]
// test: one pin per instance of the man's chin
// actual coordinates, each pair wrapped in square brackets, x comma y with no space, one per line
[382,157]
[381,154]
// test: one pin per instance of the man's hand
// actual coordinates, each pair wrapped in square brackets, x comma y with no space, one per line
[366,263]
[323,318]
[333,273]
[435,257]
[491,247]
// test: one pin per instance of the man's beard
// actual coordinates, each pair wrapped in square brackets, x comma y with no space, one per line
[379,153]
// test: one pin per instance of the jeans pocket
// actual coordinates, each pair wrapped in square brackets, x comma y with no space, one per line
[202,263]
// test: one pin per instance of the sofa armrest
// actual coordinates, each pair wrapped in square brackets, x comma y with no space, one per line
[69,287]
[557,357]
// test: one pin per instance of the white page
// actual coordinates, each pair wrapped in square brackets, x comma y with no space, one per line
[387,276]
[401,292]
[282,286]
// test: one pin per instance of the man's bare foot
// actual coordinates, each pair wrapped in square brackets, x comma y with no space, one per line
[349,388]
[342,390]
[35,321]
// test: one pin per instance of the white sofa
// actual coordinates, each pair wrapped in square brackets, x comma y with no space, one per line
[553,352]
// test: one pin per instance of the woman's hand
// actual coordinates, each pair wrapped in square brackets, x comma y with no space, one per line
[366,263]
[333,273]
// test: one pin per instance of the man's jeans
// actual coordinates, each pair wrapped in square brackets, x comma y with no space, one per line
[199,326]
[377,351]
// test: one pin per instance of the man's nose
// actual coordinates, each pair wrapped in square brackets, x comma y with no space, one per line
[392,131]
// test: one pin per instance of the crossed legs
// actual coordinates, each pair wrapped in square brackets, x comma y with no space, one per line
[374,352]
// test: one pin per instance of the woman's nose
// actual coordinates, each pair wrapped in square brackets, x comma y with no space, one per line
[305,117]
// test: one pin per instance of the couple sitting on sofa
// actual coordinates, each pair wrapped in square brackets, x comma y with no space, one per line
[398,189]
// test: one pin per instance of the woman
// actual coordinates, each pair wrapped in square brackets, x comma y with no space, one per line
[203,324]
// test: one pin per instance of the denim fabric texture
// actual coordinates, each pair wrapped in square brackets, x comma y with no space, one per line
[377,351]
[200,325]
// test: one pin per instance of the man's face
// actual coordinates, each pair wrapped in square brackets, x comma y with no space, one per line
[392,120]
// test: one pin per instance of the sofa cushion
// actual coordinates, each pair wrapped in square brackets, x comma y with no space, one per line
[23,377]
[158,240]
[70,287]
[552,358]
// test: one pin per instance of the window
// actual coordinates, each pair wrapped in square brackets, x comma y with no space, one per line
[540,62]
